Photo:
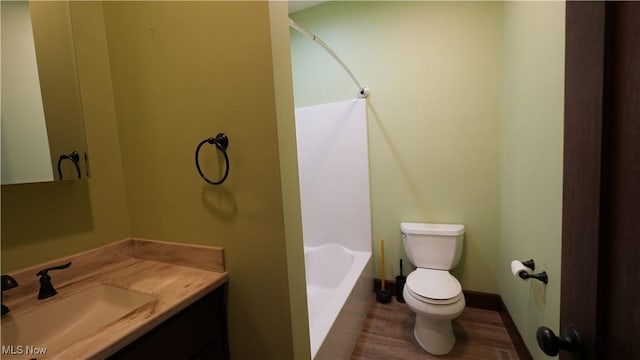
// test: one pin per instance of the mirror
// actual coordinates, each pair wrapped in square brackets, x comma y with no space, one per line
[42,134]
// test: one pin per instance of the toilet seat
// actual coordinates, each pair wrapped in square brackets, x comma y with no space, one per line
[434,286]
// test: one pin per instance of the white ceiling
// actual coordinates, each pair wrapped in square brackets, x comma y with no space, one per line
[298,5]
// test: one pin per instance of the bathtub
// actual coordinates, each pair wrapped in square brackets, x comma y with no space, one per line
[339,288]
[333,169]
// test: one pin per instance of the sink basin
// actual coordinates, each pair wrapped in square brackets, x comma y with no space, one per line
[57,325]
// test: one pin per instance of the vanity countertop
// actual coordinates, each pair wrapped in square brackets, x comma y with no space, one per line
[175,274]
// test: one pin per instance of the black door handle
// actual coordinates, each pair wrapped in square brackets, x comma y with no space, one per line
[552,344]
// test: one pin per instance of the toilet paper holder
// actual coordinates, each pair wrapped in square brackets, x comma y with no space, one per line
[532,265]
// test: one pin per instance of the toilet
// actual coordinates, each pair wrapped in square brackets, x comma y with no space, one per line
[430,291]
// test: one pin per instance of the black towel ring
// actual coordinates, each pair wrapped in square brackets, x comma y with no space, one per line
[221,141]
[75,159]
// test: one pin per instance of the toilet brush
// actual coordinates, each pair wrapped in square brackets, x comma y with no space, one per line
[382,295]
[400,281]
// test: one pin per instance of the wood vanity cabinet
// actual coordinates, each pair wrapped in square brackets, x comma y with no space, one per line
[197,332]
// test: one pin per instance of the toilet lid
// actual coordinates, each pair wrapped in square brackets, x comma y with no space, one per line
[434,284]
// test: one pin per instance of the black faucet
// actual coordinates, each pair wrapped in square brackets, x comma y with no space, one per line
[46,288]
[7,283]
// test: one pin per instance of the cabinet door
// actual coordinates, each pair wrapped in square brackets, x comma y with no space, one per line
[197,332]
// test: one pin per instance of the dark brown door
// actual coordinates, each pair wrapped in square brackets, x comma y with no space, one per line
[600,294]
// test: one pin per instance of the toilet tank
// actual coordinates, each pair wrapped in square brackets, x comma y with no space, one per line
[432,246]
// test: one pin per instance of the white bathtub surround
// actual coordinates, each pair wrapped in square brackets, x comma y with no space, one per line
[333,163]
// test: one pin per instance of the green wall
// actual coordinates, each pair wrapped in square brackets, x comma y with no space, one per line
[183,72]
[434,69]
[531,141]
[281,53]
[465,125]
[157,78]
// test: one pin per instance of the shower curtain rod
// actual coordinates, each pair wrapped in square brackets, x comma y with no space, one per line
[363,90]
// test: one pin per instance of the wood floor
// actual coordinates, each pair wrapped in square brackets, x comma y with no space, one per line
[387,334]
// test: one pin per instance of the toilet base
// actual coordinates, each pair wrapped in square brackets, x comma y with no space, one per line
[436,337]
[433,327]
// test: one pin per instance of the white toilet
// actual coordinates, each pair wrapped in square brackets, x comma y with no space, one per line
[430,291]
